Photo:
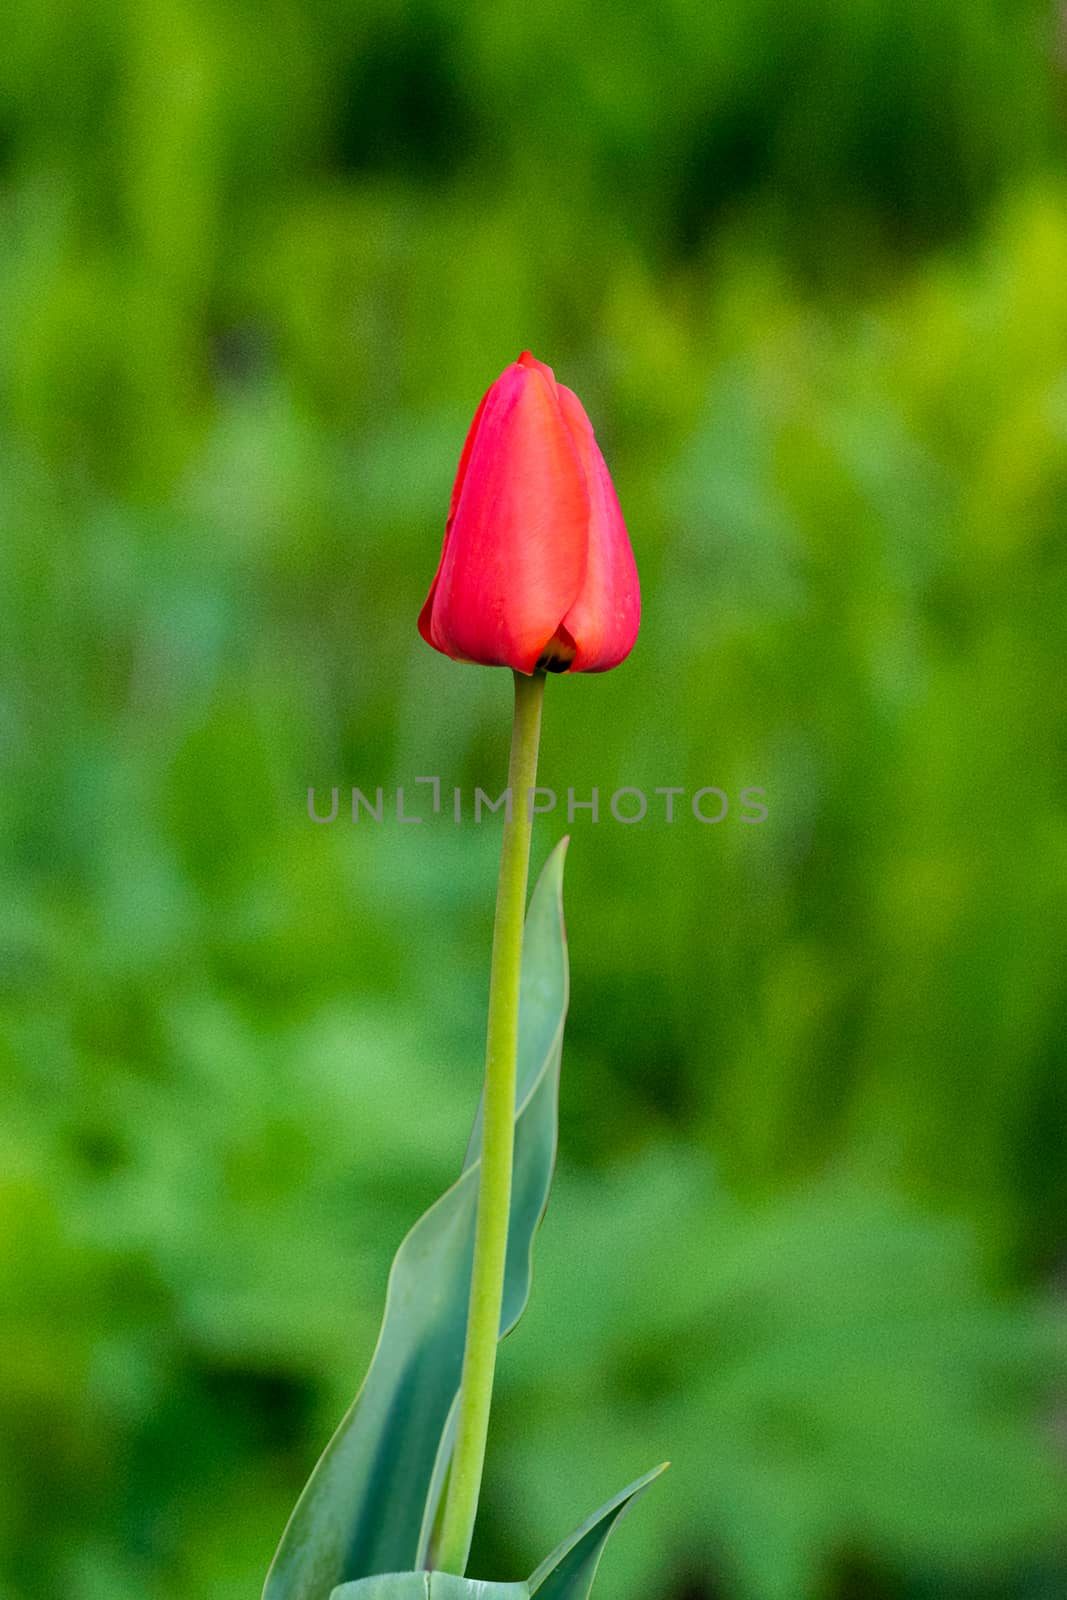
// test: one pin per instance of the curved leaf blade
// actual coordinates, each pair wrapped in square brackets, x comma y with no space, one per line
[370,1501]
[428,1586]
[568,1573]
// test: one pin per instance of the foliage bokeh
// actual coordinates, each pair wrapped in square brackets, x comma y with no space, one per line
[805,264]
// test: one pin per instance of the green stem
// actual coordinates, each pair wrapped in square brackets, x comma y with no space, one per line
[498,1135]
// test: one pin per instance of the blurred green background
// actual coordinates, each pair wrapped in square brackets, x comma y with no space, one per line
[806,264]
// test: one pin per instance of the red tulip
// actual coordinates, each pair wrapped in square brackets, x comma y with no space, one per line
[536,567]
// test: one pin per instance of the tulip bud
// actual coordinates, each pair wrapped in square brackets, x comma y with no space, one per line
[536,569]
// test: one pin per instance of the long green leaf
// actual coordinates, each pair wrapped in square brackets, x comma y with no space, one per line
[428,1586]
[370,1501]
[568,1573]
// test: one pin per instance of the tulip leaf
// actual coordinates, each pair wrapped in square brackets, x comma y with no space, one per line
[370,1503]
[568,1573]
[428,1586]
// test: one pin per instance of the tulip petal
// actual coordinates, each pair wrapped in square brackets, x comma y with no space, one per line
[605,616]
[457,488]
[464,459]
[531,362]
[514,555]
